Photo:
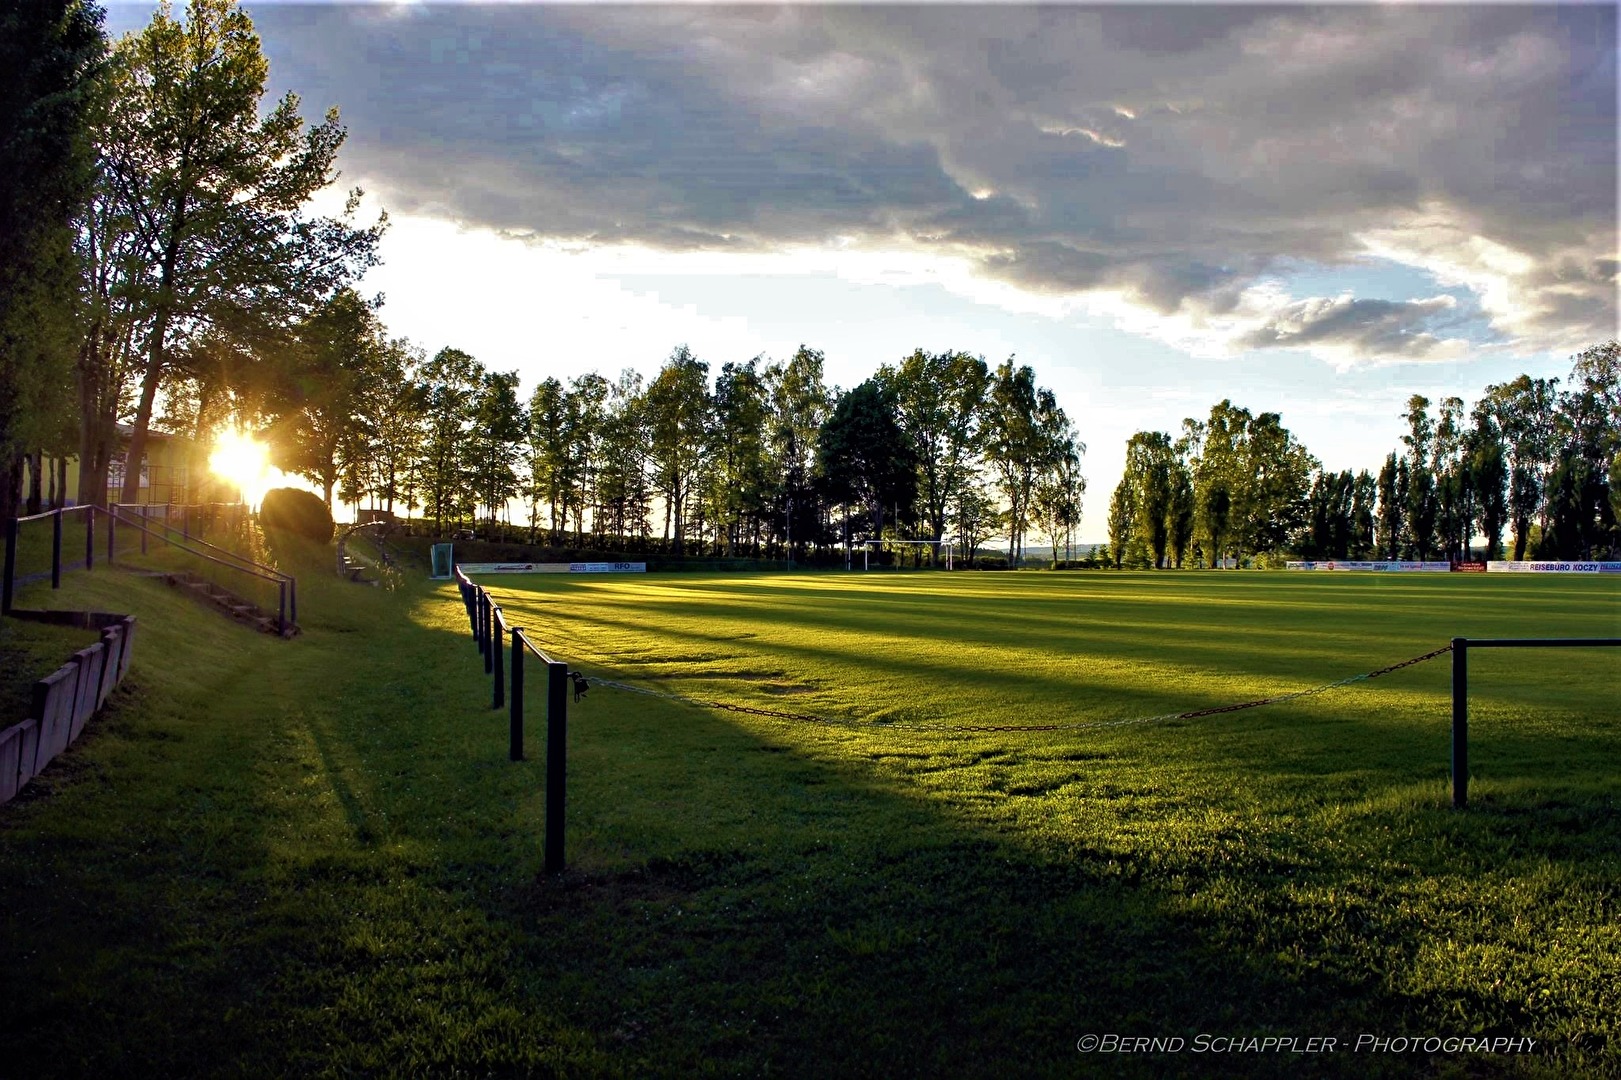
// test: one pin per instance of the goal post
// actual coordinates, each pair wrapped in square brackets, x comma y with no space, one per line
[867,546]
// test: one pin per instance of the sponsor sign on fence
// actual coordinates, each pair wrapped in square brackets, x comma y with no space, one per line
[1526,566]
[555,568]
[1390,564]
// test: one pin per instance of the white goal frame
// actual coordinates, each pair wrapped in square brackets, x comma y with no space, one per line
[867,545]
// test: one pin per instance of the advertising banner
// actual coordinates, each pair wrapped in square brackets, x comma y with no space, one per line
[1387,565]
[1527,566]
[555,568]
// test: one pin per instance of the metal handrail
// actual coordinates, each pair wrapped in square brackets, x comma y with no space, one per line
[52,513]
[286,584]
[145,523]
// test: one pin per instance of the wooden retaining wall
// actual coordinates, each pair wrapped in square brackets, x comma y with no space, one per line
[63,702]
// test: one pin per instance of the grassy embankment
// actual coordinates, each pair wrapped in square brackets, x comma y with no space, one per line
[312,856]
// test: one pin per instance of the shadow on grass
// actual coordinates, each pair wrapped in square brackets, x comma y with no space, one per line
[357,883]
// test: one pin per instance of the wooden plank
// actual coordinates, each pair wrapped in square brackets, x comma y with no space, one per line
[52,710]
[27,750]
[112,640]
[129,646]
[11,746]
[85,698]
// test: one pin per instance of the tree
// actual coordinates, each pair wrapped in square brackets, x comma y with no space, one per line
[452,378]
[1149,459]
[1058,496]
[393,414]
[938,399]
[51,53]
[498,427]
[1218,477]
[1524,412]
[799,404]
[739,489]
[1276,472]
[1488,478]
[1123,519]
[623,492]
[973,514]
[677,405]
[209,194]
[863,458]
[335,363]
[1024,431]
[1420,511]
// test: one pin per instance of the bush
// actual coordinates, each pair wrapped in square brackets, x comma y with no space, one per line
[302,513]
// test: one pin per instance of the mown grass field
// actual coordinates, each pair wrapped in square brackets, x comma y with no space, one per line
[312,857]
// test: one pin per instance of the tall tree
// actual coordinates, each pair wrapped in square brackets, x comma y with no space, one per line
[677,405]
[1122,520]
[740,487]
[863,457]
[335,364]
[799,403]
[1058,496]
[50,56]
[451,378]
[1218,477]
[1524,411]
[1149,465]
[213,194]
[497,430]
[939,399]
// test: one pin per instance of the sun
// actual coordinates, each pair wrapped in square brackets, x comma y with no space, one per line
[243,461]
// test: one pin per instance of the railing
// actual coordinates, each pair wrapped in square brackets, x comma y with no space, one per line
[31,546]
[270,588]
[490,631]
[1460,694]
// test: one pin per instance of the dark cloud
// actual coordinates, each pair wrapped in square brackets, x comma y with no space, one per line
[1381,329]
[1171,153]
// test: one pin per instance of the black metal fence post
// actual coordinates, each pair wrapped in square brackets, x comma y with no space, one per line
[498,698]
[56,549]
[112,532]
[556,761]
[281,614]
[89,537]
[1460,722]
[145,517]
[515,738]
[10,567]
[489,633]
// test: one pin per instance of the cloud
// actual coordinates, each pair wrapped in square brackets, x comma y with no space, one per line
[1156,162]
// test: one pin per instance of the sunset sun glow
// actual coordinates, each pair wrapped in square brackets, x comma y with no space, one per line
[243,461]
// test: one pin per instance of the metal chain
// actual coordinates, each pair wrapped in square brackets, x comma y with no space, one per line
[1087,726]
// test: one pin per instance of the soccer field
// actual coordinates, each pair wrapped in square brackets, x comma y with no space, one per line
[907,661]
[1301,855]
[312,857]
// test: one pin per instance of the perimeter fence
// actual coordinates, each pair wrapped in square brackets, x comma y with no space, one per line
[490,633]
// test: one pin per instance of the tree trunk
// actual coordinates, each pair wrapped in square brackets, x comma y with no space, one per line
[36,463]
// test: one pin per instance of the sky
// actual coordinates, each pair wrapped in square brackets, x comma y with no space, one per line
[1312,210]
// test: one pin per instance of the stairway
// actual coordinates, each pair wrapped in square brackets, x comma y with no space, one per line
[229,603]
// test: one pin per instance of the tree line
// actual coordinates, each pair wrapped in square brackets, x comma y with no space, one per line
[1530,471]
[760,458]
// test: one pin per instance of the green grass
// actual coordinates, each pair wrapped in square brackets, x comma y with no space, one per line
[312,857]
